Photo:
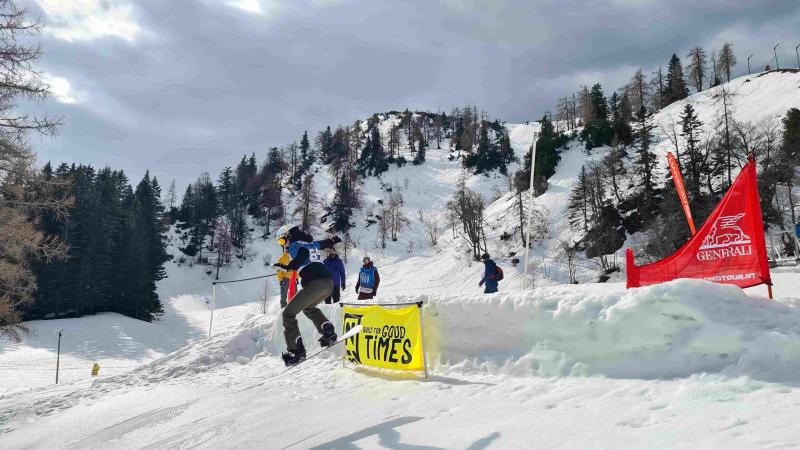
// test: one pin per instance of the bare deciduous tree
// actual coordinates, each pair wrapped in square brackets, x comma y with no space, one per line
[24,193]
[696,67]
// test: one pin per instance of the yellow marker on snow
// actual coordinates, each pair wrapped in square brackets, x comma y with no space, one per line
[95,369]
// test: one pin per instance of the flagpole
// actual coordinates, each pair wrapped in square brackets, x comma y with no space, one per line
[530,214]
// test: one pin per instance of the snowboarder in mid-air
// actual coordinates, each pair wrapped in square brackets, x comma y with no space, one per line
[490,275]
[316,285]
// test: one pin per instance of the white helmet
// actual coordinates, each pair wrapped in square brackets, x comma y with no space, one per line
[284,230]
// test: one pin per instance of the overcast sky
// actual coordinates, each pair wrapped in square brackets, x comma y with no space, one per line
[185,86]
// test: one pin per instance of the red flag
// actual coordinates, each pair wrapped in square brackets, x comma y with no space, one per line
[678,179]
[729,248]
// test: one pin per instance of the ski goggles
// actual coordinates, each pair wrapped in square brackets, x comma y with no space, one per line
[282,241]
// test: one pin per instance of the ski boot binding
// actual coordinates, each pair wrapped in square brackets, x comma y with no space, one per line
[291,358]
[328,335]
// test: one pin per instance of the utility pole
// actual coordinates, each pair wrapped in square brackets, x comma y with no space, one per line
[748,64]
[58,354]
[530,212]
[777,66]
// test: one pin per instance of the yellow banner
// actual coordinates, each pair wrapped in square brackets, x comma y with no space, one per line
[389,338]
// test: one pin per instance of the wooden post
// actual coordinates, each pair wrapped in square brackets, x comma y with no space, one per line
[769,290]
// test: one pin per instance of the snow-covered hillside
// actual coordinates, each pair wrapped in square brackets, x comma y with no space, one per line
[753,99]
[686,364]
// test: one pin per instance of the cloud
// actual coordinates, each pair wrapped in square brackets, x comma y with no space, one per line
[249,6]
[62,90]
[214,79]
[87,20]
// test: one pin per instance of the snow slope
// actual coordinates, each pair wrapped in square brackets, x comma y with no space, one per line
[686,364]
[754,98]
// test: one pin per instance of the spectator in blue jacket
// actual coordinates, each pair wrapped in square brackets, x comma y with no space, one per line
[336,268]
[489,275]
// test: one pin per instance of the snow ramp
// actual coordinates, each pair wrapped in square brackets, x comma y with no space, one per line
[670,330]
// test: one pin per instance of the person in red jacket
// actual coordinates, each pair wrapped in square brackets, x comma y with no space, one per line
[368,281]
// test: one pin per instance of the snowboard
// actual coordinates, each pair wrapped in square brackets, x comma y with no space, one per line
[350,333]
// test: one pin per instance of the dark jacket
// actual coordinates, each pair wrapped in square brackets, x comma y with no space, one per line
[335,266]
[489,276]
[315,270]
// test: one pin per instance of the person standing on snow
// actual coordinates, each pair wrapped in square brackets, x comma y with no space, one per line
[368,280]
[336,267]
[283,276]
[489,275]
[316,285]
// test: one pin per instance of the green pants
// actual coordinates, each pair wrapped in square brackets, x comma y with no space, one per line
[306,301]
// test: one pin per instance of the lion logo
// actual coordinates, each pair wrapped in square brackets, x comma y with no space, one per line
[725,233]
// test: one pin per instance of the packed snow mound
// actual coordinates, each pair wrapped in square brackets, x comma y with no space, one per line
[671,330]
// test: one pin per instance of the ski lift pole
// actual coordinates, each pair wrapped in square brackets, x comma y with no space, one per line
[530,213]
[58,354]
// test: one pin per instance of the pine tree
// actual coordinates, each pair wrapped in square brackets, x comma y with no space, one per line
[676,86]
[693,160]
[597,131]
[226,191]
[620,126]
[324,143]
[373,159]
[306,155]
[343,204]
[506,152]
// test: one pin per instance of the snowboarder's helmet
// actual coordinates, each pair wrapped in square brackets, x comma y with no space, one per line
[284,230]
[366,260]
[485,257]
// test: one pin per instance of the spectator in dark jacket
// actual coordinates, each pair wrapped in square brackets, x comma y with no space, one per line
[489,275]
[368,281]
[336,268]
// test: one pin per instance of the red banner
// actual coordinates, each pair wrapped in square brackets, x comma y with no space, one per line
[729,248]
[678,179]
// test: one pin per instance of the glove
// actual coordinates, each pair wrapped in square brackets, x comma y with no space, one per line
[336,239]
[356,289]
[343,288]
